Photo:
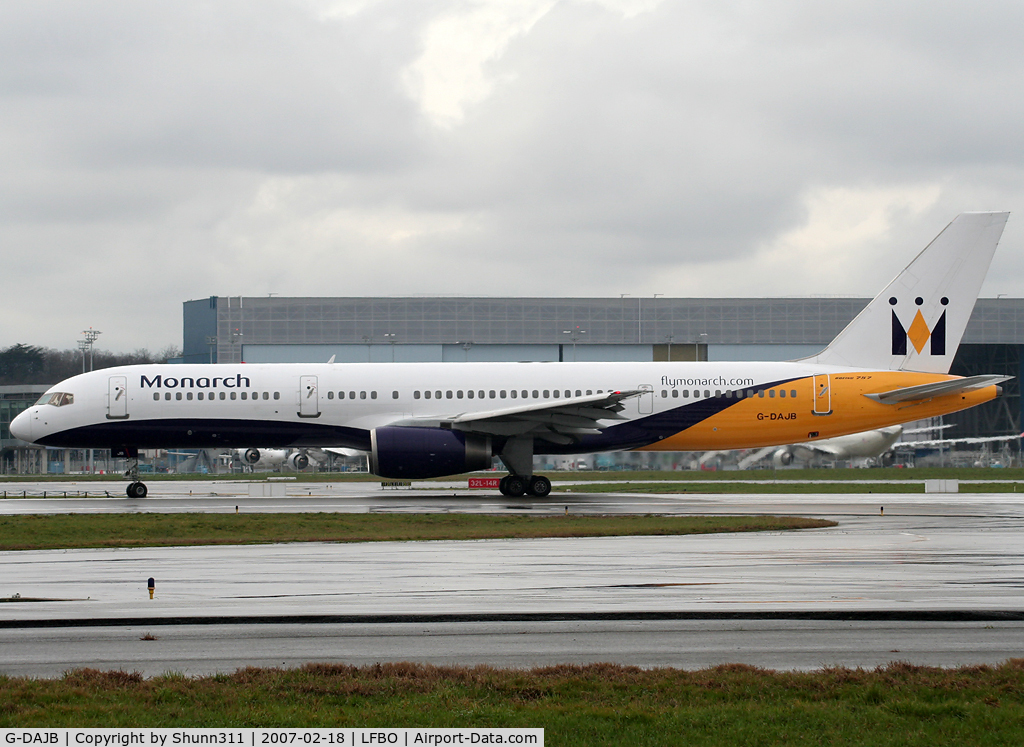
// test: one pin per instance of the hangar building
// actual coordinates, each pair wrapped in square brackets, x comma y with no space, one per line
[230,329]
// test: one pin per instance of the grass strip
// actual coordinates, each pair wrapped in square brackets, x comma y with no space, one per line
[42,532]
[599,704]
[838,488]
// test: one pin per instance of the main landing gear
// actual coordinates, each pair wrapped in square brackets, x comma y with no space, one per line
[517,455]
[515,486]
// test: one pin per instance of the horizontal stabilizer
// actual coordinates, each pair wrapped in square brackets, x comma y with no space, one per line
[937,389]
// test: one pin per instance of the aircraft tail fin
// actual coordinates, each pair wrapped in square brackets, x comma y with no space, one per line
[916,323]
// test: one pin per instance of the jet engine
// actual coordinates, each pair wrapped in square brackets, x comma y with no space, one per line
[783,457]
[410,452]
[297,461]
[251,456]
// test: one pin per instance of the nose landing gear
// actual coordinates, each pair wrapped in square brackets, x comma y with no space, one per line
[136,488]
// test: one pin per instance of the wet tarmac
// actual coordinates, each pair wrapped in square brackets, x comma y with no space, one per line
[954,557]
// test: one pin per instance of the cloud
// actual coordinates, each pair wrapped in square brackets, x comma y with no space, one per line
[153,153]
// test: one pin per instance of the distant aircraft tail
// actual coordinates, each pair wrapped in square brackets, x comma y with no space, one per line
[916,323]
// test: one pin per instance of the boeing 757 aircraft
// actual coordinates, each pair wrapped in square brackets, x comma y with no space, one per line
[888,366]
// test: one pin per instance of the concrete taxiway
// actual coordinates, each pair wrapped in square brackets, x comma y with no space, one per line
[935,580]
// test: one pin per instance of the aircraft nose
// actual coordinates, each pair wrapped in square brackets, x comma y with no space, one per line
[21,426]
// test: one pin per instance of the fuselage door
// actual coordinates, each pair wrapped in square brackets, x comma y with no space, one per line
[309,397]
[117,398]
[822,395]
[645,403]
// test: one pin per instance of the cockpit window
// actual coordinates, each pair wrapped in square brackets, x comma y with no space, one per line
[57,399]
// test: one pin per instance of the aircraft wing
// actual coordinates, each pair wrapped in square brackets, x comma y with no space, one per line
[937,389]
[559,421]
[951,441]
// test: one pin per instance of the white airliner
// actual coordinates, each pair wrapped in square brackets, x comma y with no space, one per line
[294,459]
[888,366]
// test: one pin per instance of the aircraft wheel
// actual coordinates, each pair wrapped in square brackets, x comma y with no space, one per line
[540,486]
[133,490]
[503,485]
[141,491]
[515,487]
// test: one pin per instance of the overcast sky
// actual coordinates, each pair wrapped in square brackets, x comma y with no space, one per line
[155,152]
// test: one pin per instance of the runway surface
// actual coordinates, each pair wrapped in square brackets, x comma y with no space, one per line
[923,564]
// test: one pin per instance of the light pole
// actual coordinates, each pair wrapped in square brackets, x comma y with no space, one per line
[211,343]
[90,337]
[574,335]
[390,337]
[236,335]
[668,357]
[83,346]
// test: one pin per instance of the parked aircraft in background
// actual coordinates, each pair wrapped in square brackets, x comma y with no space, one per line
[888,366]
[295,460]
[868,445]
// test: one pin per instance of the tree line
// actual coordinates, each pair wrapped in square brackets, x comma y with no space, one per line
[31,364]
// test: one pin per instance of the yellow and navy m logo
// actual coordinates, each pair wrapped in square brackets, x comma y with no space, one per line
[919,334]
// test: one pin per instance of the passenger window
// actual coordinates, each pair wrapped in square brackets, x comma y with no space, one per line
[210,396]
[525,394]
[362,395]
[579,393]
[547,394]
[589,392]
[707,394]
[416,394]
[341,395]
[718,393]
[458,394]
[792,393]
[448,394]
[427,394]
[373,394]
[351,395]
[492,394]
[394,394]
[675,394]
[156,395]
[771,394]
[266,395]
[760,393]
[223,395]
[480,394]
[167,395]
[330,395]
[728,394]
[514,393]
[782,392]
[503,394]
[234,395]
[188,396]
[277,395]
[177,395]
[470,394]
[535,393]
[664,394]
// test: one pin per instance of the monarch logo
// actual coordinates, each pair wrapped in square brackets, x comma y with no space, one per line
[918,333]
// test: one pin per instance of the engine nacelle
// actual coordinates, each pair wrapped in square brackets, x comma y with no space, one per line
[251,456]
[782,458]
[297,461]
[414,453]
